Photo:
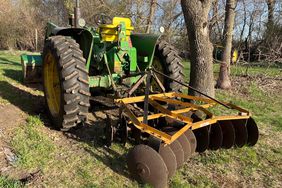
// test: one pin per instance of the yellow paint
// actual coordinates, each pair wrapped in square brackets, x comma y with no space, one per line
[117,66]
[141,98]
[176,114]
[235,56]
[166,111]
[109,32]
[52,84]
[185,104]
[193,98]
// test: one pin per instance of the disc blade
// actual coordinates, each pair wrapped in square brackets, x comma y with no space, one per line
[215,137]
[228,134]
[178,152]
[202,137]
[169,159]
[166,153]
[192,139]
[182,140]
[185,146]
[241,133]
[253,132]
[147,166]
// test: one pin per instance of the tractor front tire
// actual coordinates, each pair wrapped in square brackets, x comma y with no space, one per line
[167,61]
[65,81]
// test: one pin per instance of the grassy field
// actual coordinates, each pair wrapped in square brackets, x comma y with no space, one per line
[78,159]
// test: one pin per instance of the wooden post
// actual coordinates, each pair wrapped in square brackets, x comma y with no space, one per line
[36,40]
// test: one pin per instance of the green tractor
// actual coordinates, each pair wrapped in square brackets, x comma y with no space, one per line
[80,60]
[143,78]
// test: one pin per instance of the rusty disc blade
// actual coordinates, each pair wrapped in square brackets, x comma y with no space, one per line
[202,137]
[147,166]
[192,139]
[182,140]
[178,152]
[241,132]
[166,153]
[175,146]
[228,134]
[169,158]
[185,146]
[215,136]
[253,132]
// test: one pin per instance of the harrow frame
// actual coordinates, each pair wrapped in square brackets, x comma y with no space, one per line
[175,99]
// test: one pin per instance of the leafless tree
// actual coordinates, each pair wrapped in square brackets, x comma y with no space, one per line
[196,18]
[270,6]
[223,80]
[151,15]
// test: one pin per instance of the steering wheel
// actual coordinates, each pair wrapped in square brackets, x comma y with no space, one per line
[102,19]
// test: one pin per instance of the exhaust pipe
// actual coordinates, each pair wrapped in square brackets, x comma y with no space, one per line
[77,14]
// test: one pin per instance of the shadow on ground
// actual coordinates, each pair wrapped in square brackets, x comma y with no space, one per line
[27,102]
[13,74]
[17,75]
[90,133]
[8,62]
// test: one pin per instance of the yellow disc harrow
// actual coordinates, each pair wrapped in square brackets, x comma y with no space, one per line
[178,133]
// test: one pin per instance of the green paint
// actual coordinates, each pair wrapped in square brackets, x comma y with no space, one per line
[50,29]
[145,45]
[122,56]
[100,81]
[31,60]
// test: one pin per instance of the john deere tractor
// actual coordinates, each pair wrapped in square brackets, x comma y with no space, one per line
[142,77]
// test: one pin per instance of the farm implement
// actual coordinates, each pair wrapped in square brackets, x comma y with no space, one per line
[142,76]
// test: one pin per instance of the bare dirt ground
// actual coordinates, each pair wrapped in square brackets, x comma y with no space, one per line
[10,117]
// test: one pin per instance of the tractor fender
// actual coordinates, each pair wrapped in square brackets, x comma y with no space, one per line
[82,36]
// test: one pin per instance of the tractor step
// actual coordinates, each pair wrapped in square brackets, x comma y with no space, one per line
[31,68]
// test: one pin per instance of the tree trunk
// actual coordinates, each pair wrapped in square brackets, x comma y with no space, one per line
[270,7]
[244,23]
[223,81]
[196,18]
[215,22]
[151,15]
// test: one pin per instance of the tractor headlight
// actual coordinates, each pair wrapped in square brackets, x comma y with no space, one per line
[81,22]
[162,29]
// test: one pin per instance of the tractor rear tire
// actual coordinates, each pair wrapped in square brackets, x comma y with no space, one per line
[71,92]
[170,64]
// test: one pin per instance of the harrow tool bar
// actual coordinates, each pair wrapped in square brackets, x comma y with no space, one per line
[177,115]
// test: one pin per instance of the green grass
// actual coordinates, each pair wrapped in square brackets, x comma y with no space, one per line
[9,67]
[33,148]
[9,183]
[242,70]
[66,162]
[254,166]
